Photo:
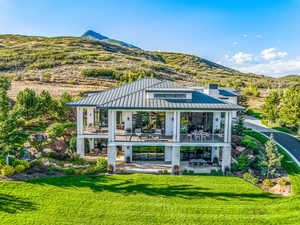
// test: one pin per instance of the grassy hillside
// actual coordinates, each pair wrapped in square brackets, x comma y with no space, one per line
[80,61]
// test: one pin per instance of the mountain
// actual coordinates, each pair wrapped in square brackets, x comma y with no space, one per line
[96,36]
[80,62]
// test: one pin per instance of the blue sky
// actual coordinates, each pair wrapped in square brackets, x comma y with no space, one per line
[260,36]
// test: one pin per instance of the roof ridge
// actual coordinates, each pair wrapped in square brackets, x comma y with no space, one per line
[160,81]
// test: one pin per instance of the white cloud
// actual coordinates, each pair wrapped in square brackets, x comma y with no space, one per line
[240,58]
[258,36]
[273,68]
[235,43]
[272,53]
[245,35]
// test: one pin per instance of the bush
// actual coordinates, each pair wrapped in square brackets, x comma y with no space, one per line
[218,172]
[282,181]
[267,183]
[243,162]
[250,178]
[20,168]
[98,73]
[101,164]
[249,143]
[7,171]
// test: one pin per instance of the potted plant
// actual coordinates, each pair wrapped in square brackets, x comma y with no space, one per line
[176,170]
[110,169]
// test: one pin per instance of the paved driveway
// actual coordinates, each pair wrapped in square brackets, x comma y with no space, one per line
[289,142]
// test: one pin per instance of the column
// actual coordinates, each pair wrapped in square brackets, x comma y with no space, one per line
[176,127]
[226,124]
[127,153]
[169,123]
[175,156]
[229,126]
[111,125]
[215,153]
[111,156]
[226,157]
[90,116]
[91,143]
[79,115]
[168,154]
[127,119]
[216,121]
[80,147]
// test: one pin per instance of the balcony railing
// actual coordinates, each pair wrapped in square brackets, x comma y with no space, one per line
[95,130]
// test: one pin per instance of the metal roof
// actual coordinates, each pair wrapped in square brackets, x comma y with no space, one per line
[133,96]
[227,93]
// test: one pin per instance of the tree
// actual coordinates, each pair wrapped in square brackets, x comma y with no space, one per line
[63,112]
[45,104]
[239,128]
[272,158]
[270,108]
[27,104]
[289,113]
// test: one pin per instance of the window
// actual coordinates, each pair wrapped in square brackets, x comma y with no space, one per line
[173,96]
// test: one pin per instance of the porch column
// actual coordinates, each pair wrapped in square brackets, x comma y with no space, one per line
[79,115]
[216,121]
[227,127]
[175,156]
[111,125]
[169,123]
[168,154]
[92,143]
[176,127]
[90,116]
[127,119]
[226,157]
[127,153]
[80,147]
[111,156]
[215,153]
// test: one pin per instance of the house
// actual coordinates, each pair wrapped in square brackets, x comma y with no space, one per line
[152,112]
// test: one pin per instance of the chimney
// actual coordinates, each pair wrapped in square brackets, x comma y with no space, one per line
[212,90]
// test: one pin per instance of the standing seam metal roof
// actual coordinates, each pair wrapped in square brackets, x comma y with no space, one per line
[133,96]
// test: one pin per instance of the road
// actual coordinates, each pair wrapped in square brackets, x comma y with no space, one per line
[290,143]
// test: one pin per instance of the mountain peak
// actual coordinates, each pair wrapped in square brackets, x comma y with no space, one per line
[94,35]
[97,36]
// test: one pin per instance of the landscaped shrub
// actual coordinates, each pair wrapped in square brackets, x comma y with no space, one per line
[249,143]
[243,163]
[282,181]
[101,164]
[250,178]
[267,183]
[7,171]
[20,168]
[218,172]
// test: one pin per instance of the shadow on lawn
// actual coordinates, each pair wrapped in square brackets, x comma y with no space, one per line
[12,204]
[130,186]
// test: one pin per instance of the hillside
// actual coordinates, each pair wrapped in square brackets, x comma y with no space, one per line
[94,64]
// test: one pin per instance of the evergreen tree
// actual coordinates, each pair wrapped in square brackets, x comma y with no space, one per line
[272,158]
[270,108]
[289,113]
[27,104]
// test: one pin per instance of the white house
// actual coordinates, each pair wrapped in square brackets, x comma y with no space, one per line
[152,112]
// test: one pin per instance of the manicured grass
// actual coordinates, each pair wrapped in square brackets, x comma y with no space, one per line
[144,199]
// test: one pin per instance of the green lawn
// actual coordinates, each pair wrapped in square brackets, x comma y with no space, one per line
[144,199]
